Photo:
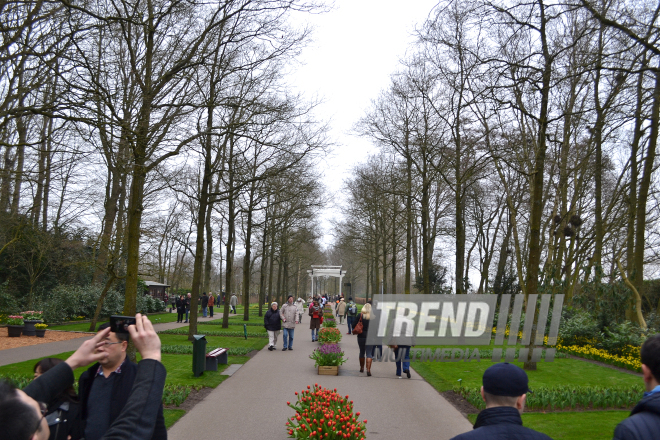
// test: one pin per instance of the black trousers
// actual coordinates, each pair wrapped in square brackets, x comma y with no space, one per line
[211,311]
[179,316]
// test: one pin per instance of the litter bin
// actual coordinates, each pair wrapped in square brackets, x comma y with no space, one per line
[199,355]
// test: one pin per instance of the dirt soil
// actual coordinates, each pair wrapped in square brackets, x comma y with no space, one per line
[51,336]
[459,402]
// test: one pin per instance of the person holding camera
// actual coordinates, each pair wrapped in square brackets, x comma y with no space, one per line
[105,388]
[23,413]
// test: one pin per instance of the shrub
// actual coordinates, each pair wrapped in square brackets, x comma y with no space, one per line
[72,301]
[323,413]
[619,339]
[8,303]
[578,328]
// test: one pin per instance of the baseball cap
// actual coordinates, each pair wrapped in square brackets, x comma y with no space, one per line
[505,379]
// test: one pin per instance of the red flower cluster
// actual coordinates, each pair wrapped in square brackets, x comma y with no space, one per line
[323,414]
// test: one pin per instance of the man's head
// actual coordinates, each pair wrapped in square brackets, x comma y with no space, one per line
[273,305]
[204,294]
[505,384]
[21,417]
[189,295]
[650,354]
[115,345]
[350,298]
[290,299]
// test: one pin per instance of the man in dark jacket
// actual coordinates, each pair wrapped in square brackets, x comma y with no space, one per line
[504,390]
[20,412]
[105,387]
[273,324]
[205,303]
[188,302]
[644,420]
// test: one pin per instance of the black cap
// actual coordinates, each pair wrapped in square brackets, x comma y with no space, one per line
[505,379]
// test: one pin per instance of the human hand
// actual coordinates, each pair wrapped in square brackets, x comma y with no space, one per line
[87,352]
[145,338]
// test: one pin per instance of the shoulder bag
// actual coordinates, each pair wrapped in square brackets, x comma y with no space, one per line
[357,328]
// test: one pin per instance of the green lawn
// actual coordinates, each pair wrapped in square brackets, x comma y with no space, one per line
[156,318]
[216,341]
[592,425]
[445,375]
[172,415]
[179,370]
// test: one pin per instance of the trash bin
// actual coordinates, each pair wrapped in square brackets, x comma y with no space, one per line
[199,355]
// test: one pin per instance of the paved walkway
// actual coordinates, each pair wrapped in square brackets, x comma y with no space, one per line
[251,404]
[20,354]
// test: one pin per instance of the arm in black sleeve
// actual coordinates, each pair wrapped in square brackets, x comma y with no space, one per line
[160,431]
[137,420]
[52,383]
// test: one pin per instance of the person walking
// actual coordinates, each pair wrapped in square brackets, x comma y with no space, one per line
[366,351]
[188,301]
[402,359]
[351,314]
[505,388]
[180,308]
[300,305]
[233,302]
[341,309]
[205,304]
[644,420]
[211,303]
[289,313]
[316,312]
[273,324]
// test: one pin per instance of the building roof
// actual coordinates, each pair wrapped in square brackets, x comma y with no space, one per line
[155,284]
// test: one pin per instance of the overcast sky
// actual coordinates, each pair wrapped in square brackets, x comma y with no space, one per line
[356,47]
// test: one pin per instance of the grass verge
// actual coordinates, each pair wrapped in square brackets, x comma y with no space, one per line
[594,425]
[172,416]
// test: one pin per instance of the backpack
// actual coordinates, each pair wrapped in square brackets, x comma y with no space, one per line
[352,309]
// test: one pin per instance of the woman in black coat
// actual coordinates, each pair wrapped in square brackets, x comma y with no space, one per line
[63,416]
[273,324]
[180,308]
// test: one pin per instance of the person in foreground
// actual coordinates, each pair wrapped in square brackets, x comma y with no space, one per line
[644,420]
[22,412]
[63,411]
[104,389]
[505,388]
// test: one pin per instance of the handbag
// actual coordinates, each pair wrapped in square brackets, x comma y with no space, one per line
[357,328]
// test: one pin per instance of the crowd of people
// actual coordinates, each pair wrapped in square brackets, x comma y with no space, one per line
[118,399]
[206,302]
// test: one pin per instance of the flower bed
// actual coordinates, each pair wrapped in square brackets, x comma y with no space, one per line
[323,413]
[14,320]
[629,362]
[329,335]
[568,397]
[328,355]
[329,322]
[31,315]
